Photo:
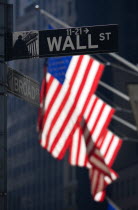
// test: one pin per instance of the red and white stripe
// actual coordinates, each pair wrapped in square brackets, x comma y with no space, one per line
[99,182]
[78,155]
[93,125]
[97,118]
[97,162]
[78,151]
[110,145]
[65,104]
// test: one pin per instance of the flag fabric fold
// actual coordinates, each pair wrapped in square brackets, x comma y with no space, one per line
[99,181]
[99,161]
[110,145]
[94,122]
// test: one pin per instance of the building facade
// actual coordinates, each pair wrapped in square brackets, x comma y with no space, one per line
[118,76]
[125,191]
[35,179]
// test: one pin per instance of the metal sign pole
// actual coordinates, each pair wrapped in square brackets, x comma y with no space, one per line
[5,26]
[3,112]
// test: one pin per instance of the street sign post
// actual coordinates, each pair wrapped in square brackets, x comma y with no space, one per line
[23,86]
[6,26]
[62,42]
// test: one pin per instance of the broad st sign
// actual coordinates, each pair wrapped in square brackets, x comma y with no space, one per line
[62,42]
[23,86]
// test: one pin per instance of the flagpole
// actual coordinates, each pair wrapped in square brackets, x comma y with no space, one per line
[113,204]
[60,22]
[124,61]
[117,92]
[129,125]
[122,68]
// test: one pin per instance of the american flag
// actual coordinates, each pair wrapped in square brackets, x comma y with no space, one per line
[99,162]
[109,147]
[99,153]
[65,99]
[79,157]
[99,181]
[69,108]
[95,120]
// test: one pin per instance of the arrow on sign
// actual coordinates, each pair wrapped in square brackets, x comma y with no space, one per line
[86,30]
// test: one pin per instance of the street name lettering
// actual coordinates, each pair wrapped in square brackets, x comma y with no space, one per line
[23,86]
[68,43]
